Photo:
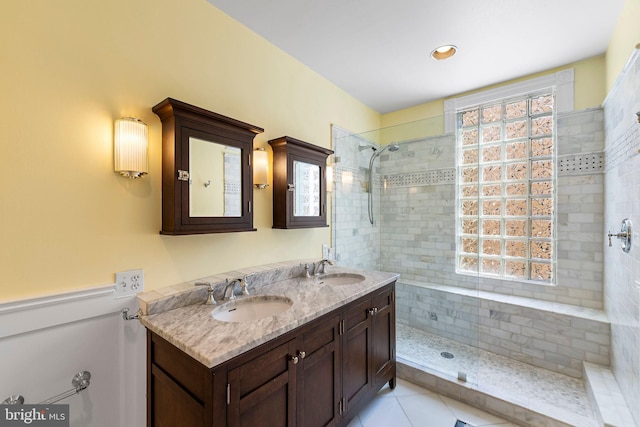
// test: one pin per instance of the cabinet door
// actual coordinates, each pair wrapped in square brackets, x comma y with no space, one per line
[356,353]
[383,333]
[171,404]
[263,391]
[318,375]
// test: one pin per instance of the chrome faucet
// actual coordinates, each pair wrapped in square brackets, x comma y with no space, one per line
[229,287]
[321,266]
[210,299]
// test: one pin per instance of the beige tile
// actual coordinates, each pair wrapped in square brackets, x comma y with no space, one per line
[427,410]
[355,422]
[384,411]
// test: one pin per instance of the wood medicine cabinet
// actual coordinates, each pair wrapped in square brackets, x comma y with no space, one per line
[299,183]
[207,177]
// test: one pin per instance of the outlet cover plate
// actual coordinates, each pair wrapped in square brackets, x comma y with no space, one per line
[129,283]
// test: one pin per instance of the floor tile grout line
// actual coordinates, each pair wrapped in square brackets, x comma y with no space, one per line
[448,407]
[404,411]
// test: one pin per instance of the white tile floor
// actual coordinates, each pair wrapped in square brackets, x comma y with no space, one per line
[412,406]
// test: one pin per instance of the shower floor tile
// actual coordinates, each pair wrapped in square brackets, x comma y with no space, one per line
[499,376]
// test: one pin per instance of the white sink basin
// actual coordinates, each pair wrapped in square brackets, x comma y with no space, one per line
[339,279]
[251,308]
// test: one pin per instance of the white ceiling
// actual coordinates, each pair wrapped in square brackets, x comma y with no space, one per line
[378,50]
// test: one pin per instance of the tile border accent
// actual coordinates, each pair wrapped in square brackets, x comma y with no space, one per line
[581,164]
[623,148]
[412,179]
[568,165]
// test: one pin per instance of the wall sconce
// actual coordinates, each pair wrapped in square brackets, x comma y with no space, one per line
[130,143]
[260,168]
[329,177]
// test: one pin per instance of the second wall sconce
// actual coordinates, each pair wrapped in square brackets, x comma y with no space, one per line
[329,177]
[260,168]
[130,147]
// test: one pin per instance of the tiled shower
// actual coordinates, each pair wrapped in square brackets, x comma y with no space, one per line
[590,315]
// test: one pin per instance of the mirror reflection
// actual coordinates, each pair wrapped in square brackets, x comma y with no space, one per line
[215,179]
[306,195]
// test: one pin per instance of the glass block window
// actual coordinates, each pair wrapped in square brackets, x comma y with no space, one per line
[506,186]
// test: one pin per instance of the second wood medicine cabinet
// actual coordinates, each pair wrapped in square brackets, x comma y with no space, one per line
[299,183]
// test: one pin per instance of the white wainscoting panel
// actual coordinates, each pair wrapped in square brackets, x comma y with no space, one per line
[45,341]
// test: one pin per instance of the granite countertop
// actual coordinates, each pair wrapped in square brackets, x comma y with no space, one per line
[193,330]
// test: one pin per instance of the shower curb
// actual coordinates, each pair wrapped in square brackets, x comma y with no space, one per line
[507,408]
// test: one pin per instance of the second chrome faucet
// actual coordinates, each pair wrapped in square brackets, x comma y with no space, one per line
[229,288]
[316,268]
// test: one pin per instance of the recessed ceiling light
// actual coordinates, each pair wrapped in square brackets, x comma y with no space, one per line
[444,52]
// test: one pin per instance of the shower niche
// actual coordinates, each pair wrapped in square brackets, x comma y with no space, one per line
[299,184]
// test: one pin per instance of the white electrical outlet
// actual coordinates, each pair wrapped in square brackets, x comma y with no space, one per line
[325,251]
[129,282]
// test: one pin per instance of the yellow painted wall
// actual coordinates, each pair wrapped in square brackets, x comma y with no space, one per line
[589,89]
[69,69]
[625,38]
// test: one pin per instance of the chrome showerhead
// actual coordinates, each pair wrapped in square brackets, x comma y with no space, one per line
[391,147]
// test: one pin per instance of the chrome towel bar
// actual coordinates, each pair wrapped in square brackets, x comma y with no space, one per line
[80,381]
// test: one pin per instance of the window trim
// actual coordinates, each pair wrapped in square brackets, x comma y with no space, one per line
[562,80]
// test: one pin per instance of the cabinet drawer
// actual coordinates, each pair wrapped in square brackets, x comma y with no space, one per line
[320,336]
[262,369]
[356,314]
[382,300]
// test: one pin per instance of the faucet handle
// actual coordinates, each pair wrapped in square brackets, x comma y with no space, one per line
[307,267]
[210,299]
[244,284]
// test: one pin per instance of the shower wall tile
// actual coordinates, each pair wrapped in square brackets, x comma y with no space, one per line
[414,232]
[548,335]
[622,200]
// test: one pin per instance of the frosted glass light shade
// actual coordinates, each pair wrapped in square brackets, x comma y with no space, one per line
[260,168]
[130,148]
[329,177]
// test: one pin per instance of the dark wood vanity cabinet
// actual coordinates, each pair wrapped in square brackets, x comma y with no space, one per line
[299,183]
[320,374]
[368,347]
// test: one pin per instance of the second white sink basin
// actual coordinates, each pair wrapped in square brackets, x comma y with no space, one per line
[340,279]
[251,308]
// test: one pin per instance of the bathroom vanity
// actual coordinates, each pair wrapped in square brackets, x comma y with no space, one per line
[316,364]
